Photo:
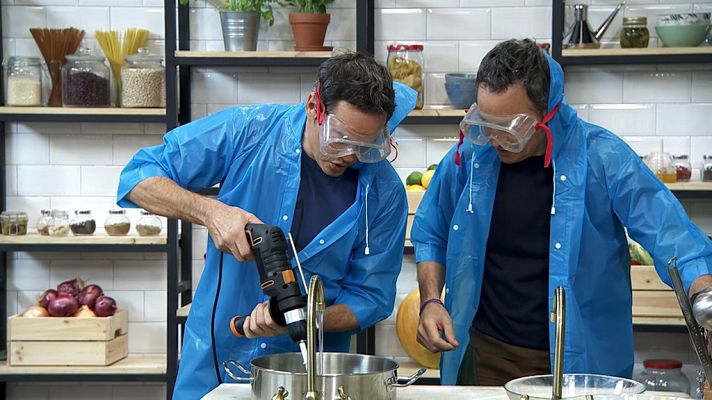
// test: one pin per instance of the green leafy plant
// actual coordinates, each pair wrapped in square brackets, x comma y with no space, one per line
[263,7]
[306,6]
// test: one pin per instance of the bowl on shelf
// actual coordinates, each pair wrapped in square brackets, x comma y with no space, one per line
[461,89]
[684,19]
[575,386]
[460,78]
[683,30]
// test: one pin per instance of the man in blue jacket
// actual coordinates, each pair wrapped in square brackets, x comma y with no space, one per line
[316,169]
[535,199]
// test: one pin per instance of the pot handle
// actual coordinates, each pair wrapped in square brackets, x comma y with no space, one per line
[410,379]
[226,367]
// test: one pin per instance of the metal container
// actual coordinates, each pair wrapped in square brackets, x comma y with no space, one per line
[240,30]
[354,376]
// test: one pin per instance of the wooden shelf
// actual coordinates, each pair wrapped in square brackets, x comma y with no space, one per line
[183,311]
[132,365]
[650,51]
[96,242]
[443,116]
[663,55]
[253,54]
[251,58]
[61,114]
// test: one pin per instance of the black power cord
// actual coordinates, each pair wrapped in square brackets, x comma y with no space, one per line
[212,321]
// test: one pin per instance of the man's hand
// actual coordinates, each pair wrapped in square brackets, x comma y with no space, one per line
[700,283]
[260,323]
[434,320]
[227,228]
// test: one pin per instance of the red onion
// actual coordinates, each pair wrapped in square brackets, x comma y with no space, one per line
[89,294]
[63,306]
[105,306]
[46,296]
[72,287]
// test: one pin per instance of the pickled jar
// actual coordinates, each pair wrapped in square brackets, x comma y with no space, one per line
[707,169]
[664,376]
[59,224]
[83,223]
[143,81]
[405,63]
[661,165]
[149,224]
[23,82]
[635,33]
[681,162]
[43,222]
[13,223]
[86,80]
[117,224]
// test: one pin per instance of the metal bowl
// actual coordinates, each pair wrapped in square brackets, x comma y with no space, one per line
[575,386]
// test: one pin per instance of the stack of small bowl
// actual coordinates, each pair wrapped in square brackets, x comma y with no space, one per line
[683,30]
[461,89]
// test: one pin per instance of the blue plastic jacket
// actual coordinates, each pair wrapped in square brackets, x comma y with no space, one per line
[254,153]
[601,186]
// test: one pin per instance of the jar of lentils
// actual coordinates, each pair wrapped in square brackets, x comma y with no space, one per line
[143,81]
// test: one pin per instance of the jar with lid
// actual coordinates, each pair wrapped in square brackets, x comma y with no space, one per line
[117,224]
[149,224]
[59,223]
[681,162]
[635,33]
[23,82]
[143,81]
[83,223]
[43,222]
[707,168]
[86,80]
[405,63]
[664,376]
[661,165]
[14,223]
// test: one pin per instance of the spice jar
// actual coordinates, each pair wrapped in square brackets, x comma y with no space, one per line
[635,33]
[13,223]
[23,81]
[117,224]
[83,223]
[143,81]
[664,376]
[661,165]
[681,162]
[59,224]
[85,80]
[149,224]
[707,169]
[43,222]
[405,62]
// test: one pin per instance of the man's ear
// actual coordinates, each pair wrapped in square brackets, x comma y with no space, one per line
[311,106]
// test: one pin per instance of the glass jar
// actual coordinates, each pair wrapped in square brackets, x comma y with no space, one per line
[83,223]
[664,376]
[635,33]
[143,81]
[117,224]
[149,224]
[707,169]
[13,223]
[405,62]
[5,222]
[681,162]
[86,81]
[59,223]
[43,222]
[23,82]
[661,165]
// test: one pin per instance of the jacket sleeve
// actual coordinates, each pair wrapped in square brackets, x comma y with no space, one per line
[195,156]
[652,214]
[369,289]
[431,225]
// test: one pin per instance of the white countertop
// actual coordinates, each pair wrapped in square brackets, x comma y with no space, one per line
[232,391]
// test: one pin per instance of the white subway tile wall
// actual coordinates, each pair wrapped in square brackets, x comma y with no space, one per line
[71,165]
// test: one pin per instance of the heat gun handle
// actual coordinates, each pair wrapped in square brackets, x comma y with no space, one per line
[236,325]
[237,322]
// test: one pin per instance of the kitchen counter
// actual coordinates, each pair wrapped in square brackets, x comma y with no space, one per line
[232,391]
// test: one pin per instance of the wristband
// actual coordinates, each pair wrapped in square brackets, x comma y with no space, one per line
[426,302]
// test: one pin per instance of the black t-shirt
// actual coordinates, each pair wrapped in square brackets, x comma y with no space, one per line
[514,302]
[320,201]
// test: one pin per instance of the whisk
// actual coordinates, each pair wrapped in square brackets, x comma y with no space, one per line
[116,48]
[54,44]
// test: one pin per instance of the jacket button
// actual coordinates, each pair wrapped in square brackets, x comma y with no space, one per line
[263,345]
[297,151]
[455,227]
[563,178]
[557,245]
[284,217]
[321,241]
[477,165]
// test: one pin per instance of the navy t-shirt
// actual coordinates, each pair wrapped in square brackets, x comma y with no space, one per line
[320,201]
[514,302]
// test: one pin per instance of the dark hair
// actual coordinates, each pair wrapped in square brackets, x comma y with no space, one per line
[358,80]
[514,61]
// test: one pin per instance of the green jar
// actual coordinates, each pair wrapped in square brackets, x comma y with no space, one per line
[635,33]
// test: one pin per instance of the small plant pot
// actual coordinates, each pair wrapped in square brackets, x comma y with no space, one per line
[309,31]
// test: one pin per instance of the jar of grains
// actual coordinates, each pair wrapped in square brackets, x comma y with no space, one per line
[86,80]
[23,81]
[143,81]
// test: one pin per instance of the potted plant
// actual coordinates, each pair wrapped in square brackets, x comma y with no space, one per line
[240,20]
[309,23]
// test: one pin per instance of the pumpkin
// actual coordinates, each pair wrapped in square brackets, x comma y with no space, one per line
[407,330]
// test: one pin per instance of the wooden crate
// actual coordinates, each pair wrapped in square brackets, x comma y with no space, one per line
[654,303]
[414,198]
[67,341]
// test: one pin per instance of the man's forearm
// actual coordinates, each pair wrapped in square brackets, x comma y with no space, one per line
[164,197]
[431,278]
[339,318]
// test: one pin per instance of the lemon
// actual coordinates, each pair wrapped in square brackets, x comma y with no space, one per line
[427,176]
[414,188]
[414,178]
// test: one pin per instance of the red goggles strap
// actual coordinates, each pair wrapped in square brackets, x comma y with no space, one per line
[320,107]
[549,137]
[393,144]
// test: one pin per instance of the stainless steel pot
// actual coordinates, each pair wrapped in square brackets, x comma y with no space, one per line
[346,376]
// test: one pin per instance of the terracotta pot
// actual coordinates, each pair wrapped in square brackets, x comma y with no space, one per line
[309,30]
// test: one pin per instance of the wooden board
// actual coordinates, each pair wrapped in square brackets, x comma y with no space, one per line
[409,226]
[655,303]
[414,198]
[68,329]
[131,365]
[644,277]
[59,353]
[442,112]
[34,238]
[82,111]
[650,51]
[254,54]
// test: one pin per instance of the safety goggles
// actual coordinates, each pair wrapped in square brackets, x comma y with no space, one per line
[336,140]
[511,132]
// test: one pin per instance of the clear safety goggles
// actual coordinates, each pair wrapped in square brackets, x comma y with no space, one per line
[336,140]
[512,132]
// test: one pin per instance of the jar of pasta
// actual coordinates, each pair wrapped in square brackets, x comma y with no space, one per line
[405,62]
